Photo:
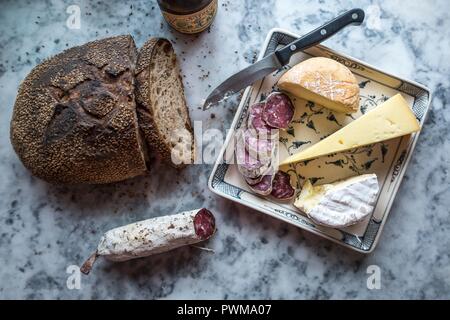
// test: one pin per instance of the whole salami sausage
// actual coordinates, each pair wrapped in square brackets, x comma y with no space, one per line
[278,111]
[152,236]
[281,186]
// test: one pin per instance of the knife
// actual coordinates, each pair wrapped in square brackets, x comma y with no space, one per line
[281,57]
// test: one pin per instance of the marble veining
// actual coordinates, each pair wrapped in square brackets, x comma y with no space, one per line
[45,228]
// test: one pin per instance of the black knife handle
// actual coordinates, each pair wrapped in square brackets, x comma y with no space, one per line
[354,16]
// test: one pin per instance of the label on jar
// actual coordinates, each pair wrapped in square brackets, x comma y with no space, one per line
[195,22]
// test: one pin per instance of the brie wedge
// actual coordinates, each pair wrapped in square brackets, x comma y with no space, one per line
[341,203]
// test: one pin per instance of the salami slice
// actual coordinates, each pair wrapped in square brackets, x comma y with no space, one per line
[264,187]
[253,181]
[281,186]
[278,111]
[260,146]
[204,224]
[256,121]
[251,165]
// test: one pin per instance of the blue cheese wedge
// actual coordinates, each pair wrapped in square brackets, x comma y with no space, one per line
[339,204]
[391,119]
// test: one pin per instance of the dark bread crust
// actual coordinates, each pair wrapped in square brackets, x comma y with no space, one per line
[74,119]
[150,127]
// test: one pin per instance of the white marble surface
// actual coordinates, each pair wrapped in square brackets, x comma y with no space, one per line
[45,228]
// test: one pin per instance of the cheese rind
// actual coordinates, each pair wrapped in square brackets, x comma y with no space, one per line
[339,204]
[323,81]
[391,119]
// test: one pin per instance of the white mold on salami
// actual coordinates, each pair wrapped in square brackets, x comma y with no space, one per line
[152,236]
[281,186]
[278,111]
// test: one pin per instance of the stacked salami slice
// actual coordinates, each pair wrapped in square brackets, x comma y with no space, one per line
[256,146]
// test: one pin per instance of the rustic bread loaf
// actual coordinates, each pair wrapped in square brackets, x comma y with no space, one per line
[323,81]
[161,106]
[74,119]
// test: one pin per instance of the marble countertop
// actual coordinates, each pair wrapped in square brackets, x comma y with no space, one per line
[44,229]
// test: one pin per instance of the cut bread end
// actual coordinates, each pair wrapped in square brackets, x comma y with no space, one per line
[161,106]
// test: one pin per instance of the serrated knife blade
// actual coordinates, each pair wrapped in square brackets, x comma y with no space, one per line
[281,57]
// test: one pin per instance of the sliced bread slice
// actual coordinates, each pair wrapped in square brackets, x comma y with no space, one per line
[161,106]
